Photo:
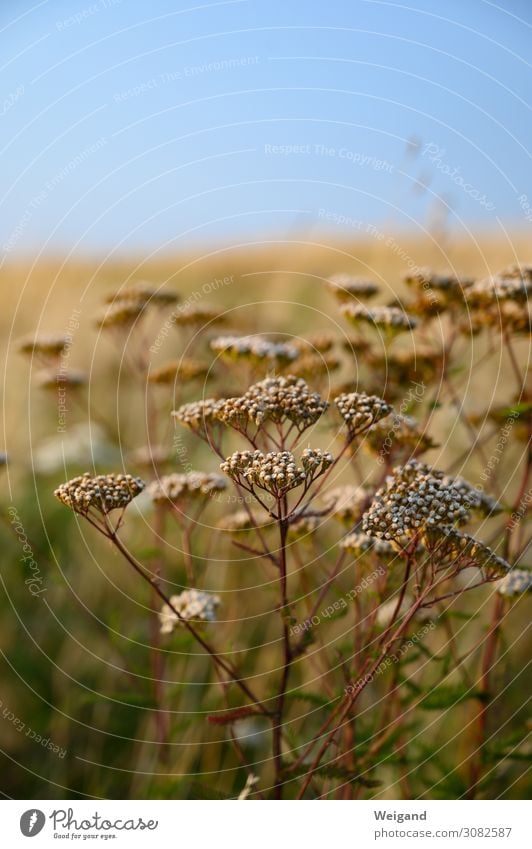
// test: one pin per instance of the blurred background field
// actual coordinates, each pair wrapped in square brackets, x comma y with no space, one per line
[75,660]
[239,153]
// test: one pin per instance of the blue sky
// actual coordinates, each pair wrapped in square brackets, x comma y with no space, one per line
[129,125]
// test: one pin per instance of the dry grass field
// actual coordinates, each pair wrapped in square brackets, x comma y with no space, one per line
[95,701]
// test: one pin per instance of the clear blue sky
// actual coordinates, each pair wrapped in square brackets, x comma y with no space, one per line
[148,126]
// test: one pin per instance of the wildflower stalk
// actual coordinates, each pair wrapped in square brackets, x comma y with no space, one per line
[488,661]
[287,651]
[349,700]
[219,661]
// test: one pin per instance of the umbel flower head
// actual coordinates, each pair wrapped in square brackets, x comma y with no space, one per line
[101,492]
[46,345]
[390,319]
[194,315]
[443,289]
[144,293]
[255,349]
[192,605]
[198,415]
[177,487]
[516,582]
[461,549]
[360,411]
[275,399]
[500,288]
[120,314]
[276,472]
[345,287]
[477,500]
[412,499]
[184,370]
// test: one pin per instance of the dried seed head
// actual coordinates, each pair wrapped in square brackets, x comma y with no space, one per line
[492,290]
[391,319]
[192,605]
[65,379]
[179,487]
[387,610]
[184,369]
[303,526]
[120,314]
[101,492]
[275,472]
[48,345]
[440,290]
[144,293]
[463,549]
[345,287]
[197,314]
[412,499]
[475,499]
[198,415]
[359,411]
[276,399]
[516,582]
[254,349]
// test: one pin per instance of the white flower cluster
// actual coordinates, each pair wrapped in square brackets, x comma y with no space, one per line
[359,411]
[412,499]
[192,605]
[275,472]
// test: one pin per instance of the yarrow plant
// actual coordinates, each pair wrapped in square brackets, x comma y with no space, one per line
[301,544]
